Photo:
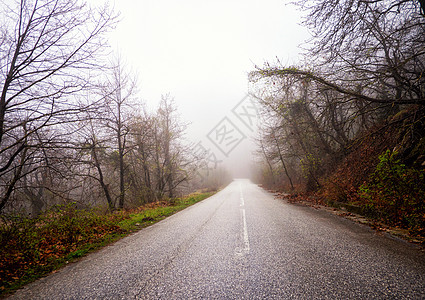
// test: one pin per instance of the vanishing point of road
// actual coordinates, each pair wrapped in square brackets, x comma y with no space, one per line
[242,243]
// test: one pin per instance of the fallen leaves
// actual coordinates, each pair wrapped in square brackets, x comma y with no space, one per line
[31,246]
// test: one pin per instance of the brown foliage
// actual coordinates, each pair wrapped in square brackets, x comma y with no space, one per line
[31,246]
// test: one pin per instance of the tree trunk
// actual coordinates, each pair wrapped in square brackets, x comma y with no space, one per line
[101,180]
[282,161]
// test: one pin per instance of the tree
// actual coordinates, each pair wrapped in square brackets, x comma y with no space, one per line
[364,50]
[91,151]
[141,160]
[119,91]
[170,156]
[48,47]
[366,63]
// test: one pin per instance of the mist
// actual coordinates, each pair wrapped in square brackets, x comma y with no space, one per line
[134,99]
[201,52]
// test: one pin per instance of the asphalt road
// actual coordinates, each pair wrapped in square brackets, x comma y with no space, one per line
[244,244]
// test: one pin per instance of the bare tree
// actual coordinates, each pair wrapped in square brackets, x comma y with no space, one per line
[170,150]
[118,93]
[364,50]
[91,154]
[142,133]
[47,49]
[366,63]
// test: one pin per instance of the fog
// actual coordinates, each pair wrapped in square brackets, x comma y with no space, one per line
[200,52]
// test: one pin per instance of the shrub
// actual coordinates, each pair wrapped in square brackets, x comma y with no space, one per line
[35,246]
[395,192]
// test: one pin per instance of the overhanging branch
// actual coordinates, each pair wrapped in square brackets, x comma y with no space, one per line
[275,72]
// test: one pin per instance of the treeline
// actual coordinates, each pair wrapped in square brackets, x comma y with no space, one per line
[353,115]
[72,128]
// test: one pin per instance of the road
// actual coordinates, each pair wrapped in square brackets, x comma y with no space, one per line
[242,243]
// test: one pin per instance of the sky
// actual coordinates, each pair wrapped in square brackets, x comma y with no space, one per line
[200,52]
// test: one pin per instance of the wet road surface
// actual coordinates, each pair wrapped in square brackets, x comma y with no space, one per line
[242,243]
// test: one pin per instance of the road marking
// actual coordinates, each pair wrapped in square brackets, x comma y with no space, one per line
[245,234]
[245,227]
[241,195]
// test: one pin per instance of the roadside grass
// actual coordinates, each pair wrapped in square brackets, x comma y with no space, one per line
[34,247]
[152,213]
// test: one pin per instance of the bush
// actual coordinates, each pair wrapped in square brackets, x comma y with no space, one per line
[35,246]
[396,193]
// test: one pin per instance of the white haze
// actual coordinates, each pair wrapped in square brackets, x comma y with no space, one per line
[200,52]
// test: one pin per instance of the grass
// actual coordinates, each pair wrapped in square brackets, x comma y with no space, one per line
[146,216]
[32,248]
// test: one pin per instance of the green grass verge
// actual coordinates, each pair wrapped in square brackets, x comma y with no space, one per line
[149,216]
[32,248]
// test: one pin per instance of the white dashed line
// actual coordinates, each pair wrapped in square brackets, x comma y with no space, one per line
[245,228]
[245,234]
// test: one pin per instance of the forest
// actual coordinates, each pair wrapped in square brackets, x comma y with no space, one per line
[84,161]
[72,126]
[347,125]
